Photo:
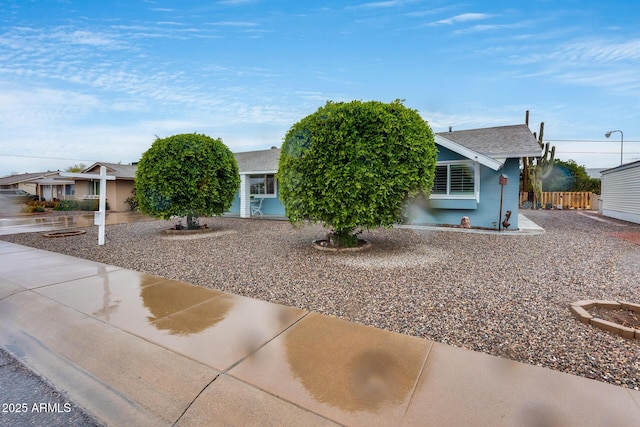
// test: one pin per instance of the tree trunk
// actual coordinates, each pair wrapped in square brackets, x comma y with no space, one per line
[192,223]
[343,238]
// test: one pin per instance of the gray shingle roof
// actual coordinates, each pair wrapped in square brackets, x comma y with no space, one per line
[497,142]
[249,161]
[258,161]
[25,177]
[118,170]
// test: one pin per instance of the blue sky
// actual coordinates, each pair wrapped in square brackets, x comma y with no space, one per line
[85,81]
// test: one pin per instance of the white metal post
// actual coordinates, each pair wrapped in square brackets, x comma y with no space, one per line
[102,205]
[101,215]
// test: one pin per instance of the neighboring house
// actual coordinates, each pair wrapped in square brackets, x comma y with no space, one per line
[620,192]
[118,190]
[51,186]
[47,185]
[468,168]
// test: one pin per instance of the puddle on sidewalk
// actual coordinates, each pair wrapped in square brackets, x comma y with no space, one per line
[45,222]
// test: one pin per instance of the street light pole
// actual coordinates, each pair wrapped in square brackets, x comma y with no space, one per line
[608,134]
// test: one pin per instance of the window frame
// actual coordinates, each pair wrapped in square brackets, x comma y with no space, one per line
[474,166]
[265,177]
[93,188]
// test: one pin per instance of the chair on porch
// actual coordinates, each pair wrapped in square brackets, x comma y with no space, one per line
[256,207]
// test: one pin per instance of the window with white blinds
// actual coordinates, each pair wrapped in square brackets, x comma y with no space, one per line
[454,179]
[461,179]
[440,182]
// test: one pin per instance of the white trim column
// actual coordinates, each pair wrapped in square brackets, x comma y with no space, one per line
[245,197]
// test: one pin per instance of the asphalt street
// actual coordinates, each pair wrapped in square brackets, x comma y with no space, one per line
[28,400]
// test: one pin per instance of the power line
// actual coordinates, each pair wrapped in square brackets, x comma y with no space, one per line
[591,140]
[597,152]
[41,157]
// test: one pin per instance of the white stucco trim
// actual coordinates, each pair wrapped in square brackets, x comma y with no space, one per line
[245,191]
[245,201]
[262,172]
[489,162]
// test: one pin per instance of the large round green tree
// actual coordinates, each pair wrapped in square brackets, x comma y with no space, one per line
[188,175]
[354,165]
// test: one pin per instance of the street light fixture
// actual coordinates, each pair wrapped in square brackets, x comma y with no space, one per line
[608,134]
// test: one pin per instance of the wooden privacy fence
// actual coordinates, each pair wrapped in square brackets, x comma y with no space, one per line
[564,200]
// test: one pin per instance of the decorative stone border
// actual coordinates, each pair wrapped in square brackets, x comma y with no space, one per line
[194,234]
[64,233]
[317,245]
[186,231]
[579,309]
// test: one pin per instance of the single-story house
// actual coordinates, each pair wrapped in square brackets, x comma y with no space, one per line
[47,185]
[51,186]
[118,190]
[620,192]
[467,182]
[468,170]
[258,184]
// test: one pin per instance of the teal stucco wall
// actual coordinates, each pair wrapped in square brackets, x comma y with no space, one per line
[484,214]
[271,206]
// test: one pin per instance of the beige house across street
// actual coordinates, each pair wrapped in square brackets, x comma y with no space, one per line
[118,190]
[47,185]
[50,185]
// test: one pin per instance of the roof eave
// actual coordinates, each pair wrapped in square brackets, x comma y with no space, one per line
[620,167]
[469,153]
[252,172]
[519,154]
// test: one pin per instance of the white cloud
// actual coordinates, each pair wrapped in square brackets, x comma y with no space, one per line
[172,23]
[465,17]
[601,51]
[89,38]
[427,12]
[598,63]
[236,2]
[475,116]
[389,3]
[23,108]
[383,4]
[234,24]
[480,28]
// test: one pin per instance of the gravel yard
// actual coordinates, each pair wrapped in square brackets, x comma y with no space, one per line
[502,295]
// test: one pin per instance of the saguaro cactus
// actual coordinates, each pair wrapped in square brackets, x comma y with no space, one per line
[540,167]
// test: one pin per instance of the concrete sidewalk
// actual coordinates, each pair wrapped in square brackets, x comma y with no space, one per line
[137,349]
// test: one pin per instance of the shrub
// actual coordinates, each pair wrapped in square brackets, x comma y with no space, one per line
[188,175]
[132,201]
[34,208]
[354,165]
[67,205]
[79,205]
